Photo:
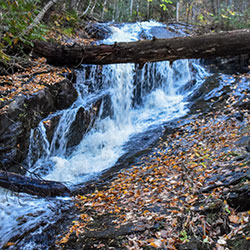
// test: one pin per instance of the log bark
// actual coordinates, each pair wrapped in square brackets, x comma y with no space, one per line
[24,184]
[203,46]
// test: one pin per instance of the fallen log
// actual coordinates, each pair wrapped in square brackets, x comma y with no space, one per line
[25,184]
[203,46]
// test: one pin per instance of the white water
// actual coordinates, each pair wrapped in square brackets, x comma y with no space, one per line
[140,99]
[102,146]
[22,213]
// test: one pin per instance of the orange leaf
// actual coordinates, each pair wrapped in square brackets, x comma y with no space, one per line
[9,244]
[153,244]
[83,216]
[15,41]
[234,219]
[156,243]
[175,211]
[192,200]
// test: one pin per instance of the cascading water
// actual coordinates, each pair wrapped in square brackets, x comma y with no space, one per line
[133,99]
[159,92]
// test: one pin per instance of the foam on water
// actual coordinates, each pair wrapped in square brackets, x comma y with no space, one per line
[102,146]
[22,213]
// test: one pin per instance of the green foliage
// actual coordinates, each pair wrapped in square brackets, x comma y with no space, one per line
[69,19]
[164,7]
[163,4]
[15,17]
[224,17]
[184,236]
[65,22]
[230,19]
[68,31]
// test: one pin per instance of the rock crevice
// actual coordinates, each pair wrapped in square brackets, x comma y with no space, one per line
[24,113]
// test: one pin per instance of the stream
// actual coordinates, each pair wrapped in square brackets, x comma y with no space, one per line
[128,107]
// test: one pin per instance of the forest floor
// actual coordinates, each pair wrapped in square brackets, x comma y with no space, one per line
[191,193]
[31,73]
[29,81]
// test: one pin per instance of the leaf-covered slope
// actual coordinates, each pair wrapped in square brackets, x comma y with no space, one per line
[178,197]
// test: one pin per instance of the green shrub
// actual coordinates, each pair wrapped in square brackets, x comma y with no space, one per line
[15,17]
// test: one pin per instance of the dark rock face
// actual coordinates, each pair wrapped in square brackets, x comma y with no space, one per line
[51,126]
[25,113]
[194,244]
[239,198]
[83,122]
[231,63]
[98,31]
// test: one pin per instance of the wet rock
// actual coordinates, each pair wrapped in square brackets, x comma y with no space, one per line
[25,113]
[244,142]
[163,32]
[106,107]
[83,122]
[63,94]
[189,85]
[239,198]
[50,126]
[102,230]
[98,31]
[230,64]
[194,244]
[239,116]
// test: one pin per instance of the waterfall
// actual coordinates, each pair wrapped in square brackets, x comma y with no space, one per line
[133,99]
[120,102]
[136,102]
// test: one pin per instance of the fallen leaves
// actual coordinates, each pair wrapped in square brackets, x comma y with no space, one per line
[163,194]
[30,81]
[234,219]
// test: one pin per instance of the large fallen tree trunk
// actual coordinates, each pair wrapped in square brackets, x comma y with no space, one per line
[203,46]
[24,184]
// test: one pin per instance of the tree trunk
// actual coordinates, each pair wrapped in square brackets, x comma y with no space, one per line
[203,46]
[147,9]
[104,9]
[93,7]
[40,16]
[24,184]
[131,8]
[86,10]
[177,10]
[188,12]
[213,7]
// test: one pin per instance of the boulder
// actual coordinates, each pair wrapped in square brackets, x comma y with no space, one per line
[24,113]
[98,31]
[83,122]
